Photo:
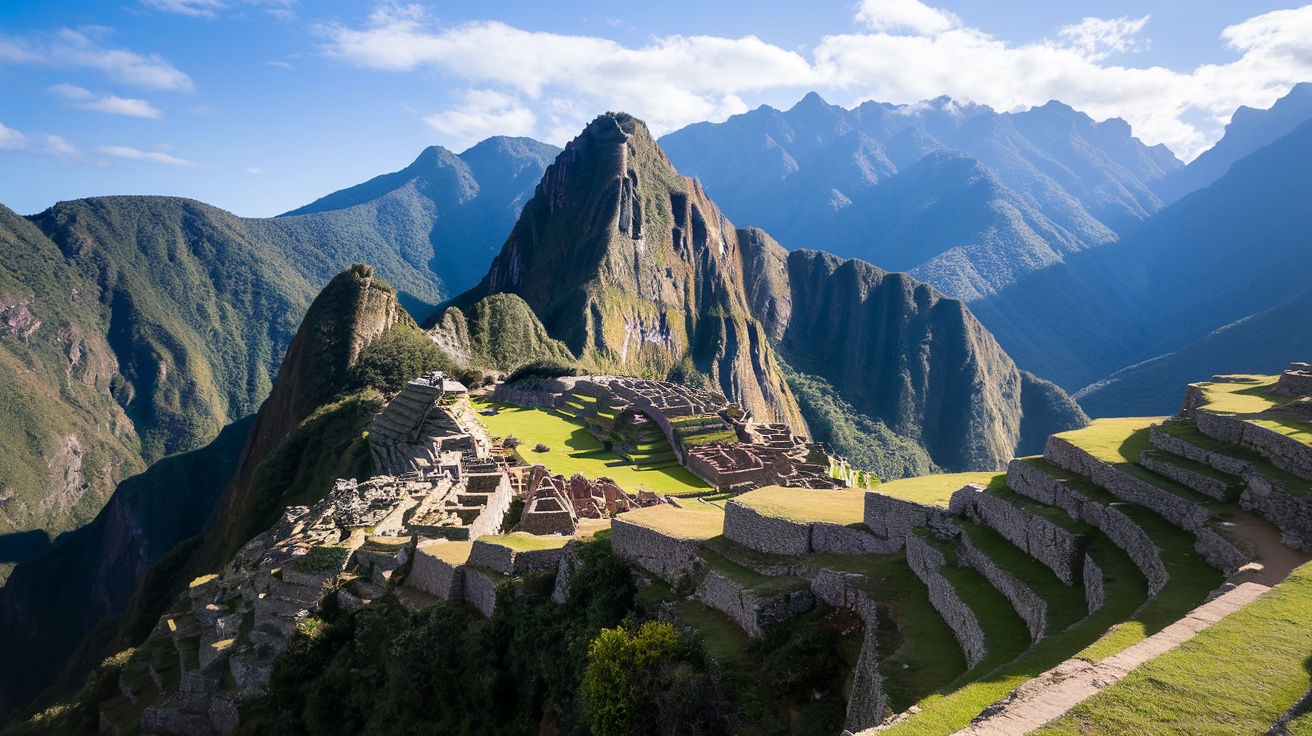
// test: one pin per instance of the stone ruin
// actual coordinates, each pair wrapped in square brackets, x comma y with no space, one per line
[424,422]
[554,505]
[706,433]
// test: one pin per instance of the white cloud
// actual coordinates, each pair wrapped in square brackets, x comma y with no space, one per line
[1097,38]
[902,52]
[484,113]
[121,106]
[279,64]
[155,157]
[43,144]
[85,99]
[11,140]
[80,49]
[198,8]
[905,15]
[254,170]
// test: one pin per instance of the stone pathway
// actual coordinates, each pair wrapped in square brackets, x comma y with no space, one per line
[1056,691]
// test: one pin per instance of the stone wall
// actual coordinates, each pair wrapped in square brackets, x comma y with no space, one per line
[1204,484]
[1060,549]
[867,706]
[1095,594]
[1031,608]
[844,540]
[1030,481]
[1218,552]
[436,577]
[925,561]
[667,557]
[1285,453]
[892,518]
[1176,446]
[771,535]
[752,611]
[507,561]
[498,503]
[1181,512]
[481,589]
[508,394]
[1291,513]
[744,525]
[1295,381]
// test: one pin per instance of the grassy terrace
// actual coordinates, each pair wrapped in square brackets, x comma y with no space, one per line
[805,506]
[954,705]
[452,553]
[932,490]
[575,450]
[1247,397]
[1248,669]
[703,523]
[917,650]
[525,542]
[1119,442]
[1189,432]
[1065,602]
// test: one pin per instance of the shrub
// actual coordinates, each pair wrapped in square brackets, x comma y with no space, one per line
[511,441]
[542,369]
[539,447]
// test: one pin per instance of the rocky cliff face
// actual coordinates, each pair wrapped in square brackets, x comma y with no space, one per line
[899,351]
[637,271]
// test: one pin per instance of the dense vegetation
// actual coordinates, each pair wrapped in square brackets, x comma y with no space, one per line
[864,442]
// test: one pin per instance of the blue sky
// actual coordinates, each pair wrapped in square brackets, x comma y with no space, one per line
[259,106]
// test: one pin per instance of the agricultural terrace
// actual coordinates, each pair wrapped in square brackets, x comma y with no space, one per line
[574,450]
[933,490]
[1244,396]
[806,506]
[701,523]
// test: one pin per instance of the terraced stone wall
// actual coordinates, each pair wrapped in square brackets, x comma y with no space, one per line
[508,561]
[1095,592]
[1204,484]
[1222,462]
[436,577]
[1032,482]
[925,561]
[752,611]
[744,525]
[893,518]
[1031,608]
[867,706]
[481,590]
[1285,453]
[668,557]
[1058,548]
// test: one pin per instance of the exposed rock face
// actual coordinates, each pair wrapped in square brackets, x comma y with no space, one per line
[901,352]
[636,270]
[352,311]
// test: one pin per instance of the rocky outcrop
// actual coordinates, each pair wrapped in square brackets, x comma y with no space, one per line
[631,265]
[925,561]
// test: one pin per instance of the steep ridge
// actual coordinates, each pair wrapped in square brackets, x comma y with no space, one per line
[65,440]
[444,213]
[901,352]
[217,490]
[807,175]
[636,271]
[1248,130]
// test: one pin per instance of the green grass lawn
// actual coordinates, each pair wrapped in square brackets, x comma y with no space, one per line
[806,506]
[1117,440]
[1246,395]
[525,542]
[575,450]
[932,490]
[698,521]
[1236,677]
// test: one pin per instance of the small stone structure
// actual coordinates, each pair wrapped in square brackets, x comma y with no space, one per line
[1295,382]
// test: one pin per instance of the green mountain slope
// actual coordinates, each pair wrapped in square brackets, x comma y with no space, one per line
[633,268]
